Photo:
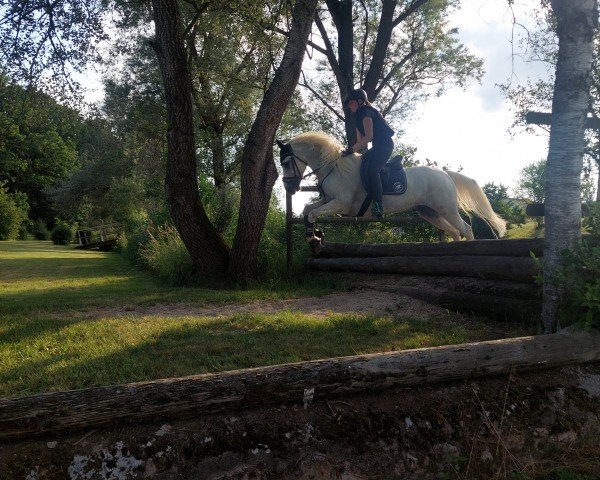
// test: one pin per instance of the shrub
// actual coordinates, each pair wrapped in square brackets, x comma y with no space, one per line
[13,213]
[40,230]
[579,279]
[62,234]
[166,255]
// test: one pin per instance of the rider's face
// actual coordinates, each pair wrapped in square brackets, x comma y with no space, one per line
[353,105]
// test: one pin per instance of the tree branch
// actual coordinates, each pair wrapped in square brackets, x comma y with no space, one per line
[409,11]
[305,84]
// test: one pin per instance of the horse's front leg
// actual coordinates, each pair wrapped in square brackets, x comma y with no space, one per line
[308,225]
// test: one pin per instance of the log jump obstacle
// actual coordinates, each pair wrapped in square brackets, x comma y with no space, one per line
[489,259]
[490,277]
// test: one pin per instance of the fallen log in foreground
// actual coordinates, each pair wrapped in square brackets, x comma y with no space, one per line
[291,383]
[522,247]
[521,269]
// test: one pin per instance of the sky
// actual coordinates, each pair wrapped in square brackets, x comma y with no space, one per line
[469,128]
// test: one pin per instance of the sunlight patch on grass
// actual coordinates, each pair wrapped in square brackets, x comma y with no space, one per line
[40,354]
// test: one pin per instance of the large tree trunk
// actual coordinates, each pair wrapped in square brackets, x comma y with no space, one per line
[576,24]
[206,247]
[258,172]
[341,14]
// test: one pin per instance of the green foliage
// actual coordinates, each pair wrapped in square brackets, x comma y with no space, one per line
[38,145]
[532,183]
[40,230]
[166,255]
[13,214]
[579,279]
[591,222]
[62,234]
[271,250]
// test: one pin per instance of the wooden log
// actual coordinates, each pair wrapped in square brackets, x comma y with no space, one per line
[521,269]
[522,247]
[292,383]
[499,308]
[539,210]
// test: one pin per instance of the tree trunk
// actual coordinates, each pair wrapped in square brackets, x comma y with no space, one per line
[576,24]
[341,14]
[206,247]
[258,172]
[297,383]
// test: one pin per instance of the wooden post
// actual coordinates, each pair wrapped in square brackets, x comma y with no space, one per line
[289,234]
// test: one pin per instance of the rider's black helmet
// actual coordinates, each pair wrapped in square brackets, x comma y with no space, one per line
[358,94]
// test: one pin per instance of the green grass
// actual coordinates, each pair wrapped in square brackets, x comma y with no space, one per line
[55,335]
[527,230]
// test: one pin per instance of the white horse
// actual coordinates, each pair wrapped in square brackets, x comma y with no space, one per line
[435,194]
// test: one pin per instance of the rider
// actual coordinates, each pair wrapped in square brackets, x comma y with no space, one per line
[370,127]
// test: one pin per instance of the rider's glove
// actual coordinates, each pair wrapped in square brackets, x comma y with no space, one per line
[348,151]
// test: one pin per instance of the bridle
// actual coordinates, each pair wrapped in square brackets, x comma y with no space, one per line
[294,181]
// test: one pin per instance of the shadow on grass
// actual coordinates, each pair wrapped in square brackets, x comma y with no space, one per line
[210,345]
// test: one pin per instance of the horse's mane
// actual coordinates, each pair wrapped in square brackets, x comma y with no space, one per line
[331,149]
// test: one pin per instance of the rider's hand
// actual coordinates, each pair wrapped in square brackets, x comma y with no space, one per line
[348,151]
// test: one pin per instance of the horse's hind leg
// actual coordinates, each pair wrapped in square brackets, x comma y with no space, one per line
[454,219]
[438,221]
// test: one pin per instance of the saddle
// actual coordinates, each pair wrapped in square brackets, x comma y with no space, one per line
[393,180]
[393,176]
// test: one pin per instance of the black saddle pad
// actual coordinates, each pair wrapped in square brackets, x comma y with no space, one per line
[393,176]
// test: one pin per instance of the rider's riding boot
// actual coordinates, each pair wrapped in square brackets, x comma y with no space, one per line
[377,209]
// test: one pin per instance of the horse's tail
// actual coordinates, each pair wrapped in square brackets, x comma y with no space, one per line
[472,199]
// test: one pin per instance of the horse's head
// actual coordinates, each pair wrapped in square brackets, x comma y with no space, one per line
[293,167]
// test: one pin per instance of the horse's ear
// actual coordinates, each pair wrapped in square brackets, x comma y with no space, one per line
[280,144]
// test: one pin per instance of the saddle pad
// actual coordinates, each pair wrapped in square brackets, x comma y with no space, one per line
[395,184]
[393,177]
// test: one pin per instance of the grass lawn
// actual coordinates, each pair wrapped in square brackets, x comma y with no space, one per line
[49,340]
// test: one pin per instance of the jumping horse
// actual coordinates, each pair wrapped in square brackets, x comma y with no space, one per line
[435,194]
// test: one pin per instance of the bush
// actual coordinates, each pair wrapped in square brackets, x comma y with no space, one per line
[579,279]
[166,255]
[40,230]
[13,213]
[62,234]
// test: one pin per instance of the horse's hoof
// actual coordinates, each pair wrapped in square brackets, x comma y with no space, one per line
[320,235]
[315,246]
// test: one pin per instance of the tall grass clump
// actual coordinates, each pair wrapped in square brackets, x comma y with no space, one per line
[166,255]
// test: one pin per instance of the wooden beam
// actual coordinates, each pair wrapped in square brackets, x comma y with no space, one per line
[522,247]
[539,210]
[542,118]
[298,383]
[521,269]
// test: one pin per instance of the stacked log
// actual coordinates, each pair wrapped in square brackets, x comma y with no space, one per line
[508,266]
[493,259]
